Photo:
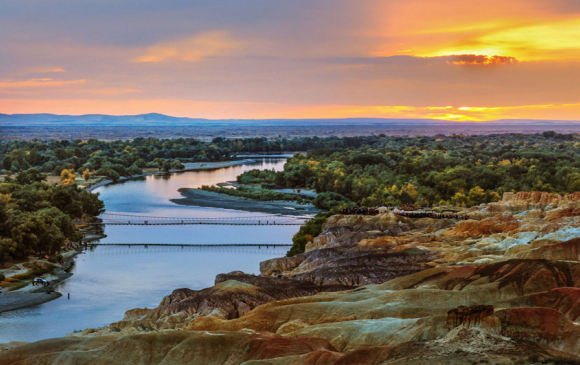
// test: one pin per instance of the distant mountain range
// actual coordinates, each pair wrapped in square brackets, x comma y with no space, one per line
[155,119]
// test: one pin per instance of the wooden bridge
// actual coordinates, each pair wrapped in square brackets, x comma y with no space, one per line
[267,245]
[143,220]
[148,248]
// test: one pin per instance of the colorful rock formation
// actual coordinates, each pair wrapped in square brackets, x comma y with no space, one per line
[503,287]
[234,295]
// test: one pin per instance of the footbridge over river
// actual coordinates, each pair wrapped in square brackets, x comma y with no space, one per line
[144,220]
[141,248]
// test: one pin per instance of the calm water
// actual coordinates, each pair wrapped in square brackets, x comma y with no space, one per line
[109,280]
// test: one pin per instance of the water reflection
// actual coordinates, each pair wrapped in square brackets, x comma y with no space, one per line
[155,191]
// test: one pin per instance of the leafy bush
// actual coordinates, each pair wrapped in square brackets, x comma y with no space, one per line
[307,232]
[331,201]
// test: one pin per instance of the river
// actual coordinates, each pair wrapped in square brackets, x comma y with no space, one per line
[109,280]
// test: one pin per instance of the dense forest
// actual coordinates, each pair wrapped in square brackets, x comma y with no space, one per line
[366,171]
[428,171]
[36,217]
[124,158]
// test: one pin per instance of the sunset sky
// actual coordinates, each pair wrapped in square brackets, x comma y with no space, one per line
[446,59]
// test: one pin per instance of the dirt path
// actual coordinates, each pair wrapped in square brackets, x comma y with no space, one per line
[10,272]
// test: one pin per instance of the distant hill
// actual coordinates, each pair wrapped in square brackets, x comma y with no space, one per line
[155,119]
[24,120]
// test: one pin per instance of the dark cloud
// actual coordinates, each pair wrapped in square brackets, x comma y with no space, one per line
[480,60]
[414,61]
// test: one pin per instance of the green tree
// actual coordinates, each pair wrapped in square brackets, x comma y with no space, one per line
[29,176]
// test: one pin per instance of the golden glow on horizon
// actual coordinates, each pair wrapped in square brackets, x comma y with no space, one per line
[33,83]
[218,110]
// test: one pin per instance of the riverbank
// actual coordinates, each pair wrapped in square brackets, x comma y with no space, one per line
[210,199]
[30,295]
[190,166]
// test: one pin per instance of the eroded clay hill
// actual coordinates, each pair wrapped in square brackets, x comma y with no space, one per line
[501,288]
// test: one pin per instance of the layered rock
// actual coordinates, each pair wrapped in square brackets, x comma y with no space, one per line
[564,300]
[360,223]
[424,307]
[234,295]
[358,266]
[486,227]
[569,251]
[458,347]
[355,250]
[469,316]
[533,201]
[541,325]
[175,348]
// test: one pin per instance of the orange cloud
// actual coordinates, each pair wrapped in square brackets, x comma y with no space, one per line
[48,70]
[111,91]
[192,49]
[34,83]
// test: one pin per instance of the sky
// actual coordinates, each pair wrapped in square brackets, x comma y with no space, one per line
[455,60]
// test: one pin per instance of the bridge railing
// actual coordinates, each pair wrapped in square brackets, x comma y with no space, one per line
[193,244]
[126,219]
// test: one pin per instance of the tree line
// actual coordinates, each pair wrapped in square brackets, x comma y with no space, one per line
[427,171]
[114,159]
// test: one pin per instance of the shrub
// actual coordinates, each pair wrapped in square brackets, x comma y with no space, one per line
[330,200]
[307,232]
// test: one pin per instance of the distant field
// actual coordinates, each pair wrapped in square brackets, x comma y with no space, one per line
[207,131]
